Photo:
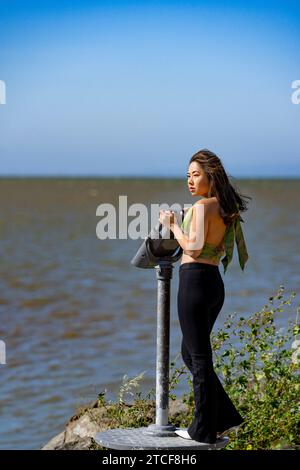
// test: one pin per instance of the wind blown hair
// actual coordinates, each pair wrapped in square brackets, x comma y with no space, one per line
[231,201]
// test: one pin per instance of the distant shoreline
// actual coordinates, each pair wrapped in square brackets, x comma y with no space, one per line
[142,177]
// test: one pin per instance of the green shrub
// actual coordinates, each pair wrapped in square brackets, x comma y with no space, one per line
[261,375]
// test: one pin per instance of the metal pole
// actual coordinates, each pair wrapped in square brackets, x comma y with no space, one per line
[161,426]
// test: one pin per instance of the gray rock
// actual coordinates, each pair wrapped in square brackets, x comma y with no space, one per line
[81,429]
[55,442]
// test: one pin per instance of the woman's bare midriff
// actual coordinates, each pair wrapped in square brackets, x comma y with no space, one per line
[214,238]
[188,259]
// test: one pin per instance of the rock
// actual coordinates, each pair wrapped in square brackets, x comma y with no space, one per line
[81,429]
[177,407]
[55,442]
[79,444]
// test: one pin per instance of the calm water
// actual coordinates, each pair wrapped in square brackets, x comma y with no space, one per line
[76,315]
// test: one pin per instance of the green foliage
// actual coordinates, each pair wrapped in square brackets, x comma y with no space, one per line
[259,367]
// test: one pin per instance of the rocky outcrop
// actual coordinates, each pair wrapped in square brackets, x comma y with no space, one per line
[81,429]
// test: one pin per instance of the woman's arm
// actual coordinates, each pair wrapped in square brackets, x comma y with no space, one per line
[192,244]
[183,240]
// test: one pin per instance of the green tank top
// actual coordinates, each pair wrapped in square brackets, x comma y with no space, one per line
[226,247]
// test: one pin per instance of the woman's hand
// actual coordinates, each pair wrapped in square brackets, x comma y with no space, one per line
[167,218]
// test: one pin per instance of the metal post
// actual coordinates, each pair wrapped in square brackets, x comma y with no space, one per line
[161,426]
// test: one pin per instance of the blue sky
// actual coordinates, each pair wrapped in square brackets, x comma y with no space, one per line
[136,88]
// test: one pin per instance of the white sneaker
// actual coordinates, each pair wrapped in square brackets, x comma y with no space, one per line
[183,433]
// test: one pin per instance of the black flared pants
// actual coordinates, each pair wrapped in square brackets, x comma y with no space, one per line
[200,297]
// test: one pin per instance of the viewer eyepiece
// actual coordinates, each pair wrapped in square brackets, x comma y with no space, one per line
[159,245]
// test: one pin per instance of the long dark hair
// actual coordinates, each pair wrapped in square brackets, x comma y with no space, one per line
[231,201]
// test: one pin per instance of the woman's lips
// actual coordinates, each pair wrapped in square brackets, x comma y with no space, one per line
[191,189]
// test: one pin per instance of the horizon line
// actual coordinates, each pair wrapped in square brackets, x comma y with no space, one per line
[98,176]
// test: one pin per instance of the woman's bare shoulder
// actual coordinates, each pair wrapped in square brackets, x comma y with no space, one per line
[208,201]
[212,208]
[209,204]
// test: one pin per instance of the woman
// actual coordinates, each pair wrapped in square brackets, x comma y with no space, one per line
[201,289]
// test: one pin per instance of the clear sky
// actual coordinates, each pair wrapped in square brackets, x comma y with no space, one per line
[136,88]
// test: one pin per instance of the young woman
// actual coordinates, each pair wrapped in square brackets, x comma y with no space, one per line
[201,291]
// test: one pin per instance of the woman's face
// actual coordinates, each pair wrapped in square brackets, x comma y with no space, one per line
[197,180]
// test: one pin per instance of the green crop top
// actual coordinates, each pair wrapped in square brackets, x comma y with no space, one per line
[233,231]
